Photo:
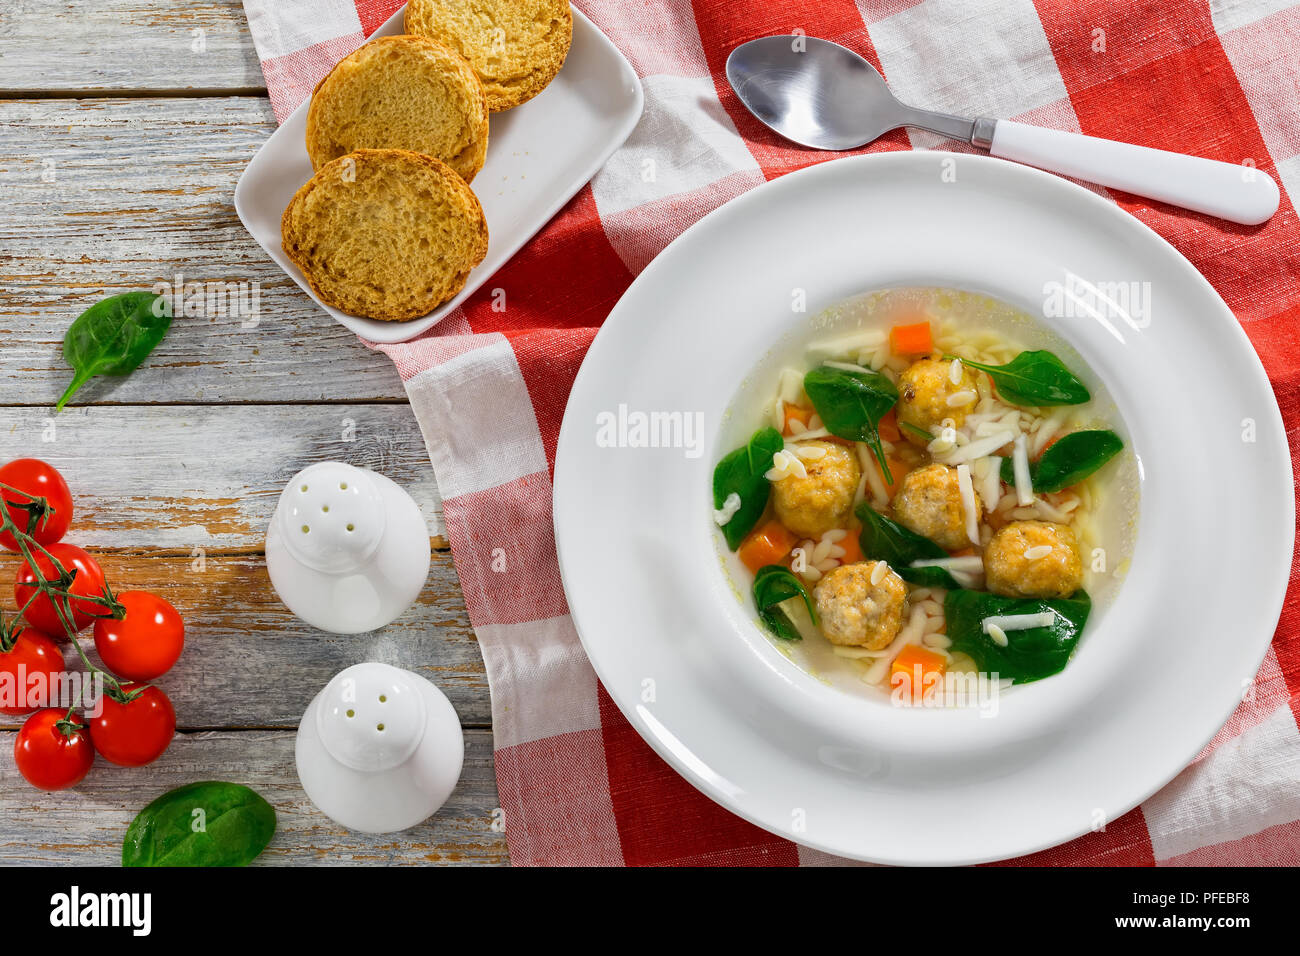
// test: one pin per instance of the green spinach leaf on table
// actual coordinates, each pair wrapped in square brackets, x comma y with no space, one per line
[200,824]
[114,336]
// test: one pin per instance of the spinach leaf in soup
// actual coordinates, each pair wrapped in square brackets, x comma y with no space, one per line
[742,472]
[1030,654]
[885,540]
[851,404]
[1035,379]
[1074,457]
[113,337]
[200,824]
[773,584]
[1068,460]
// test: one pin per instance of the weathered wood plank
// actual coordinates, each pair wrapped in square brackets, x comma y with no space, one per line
[248,662]
[207,476]
[86,825]
[154,44]
[108,195]
[151,485]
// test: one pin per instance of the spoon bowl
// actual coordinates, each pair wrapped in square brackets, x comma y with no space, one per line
[813,92]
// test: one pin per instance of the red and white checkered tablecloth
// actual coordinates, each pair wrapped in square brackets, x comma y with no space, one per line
[577,784]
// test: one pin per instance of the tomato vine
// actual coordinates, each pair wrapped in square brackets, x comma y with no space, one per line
[57,591]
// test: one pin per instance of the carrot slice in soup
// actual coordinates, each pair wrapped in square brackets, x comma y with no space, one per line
[916,671]
[767,544]
[912,339]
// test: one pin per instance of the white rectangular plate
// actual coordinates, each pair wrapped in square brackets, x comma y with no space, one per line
[539,155]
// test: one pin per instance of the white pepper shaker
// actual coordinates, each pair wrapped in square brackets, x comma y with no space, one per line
[379,749]
[347,549]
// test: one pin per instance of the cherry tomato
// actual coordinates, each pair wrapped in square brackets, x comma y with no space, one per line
[39,480]
[144,644]
[135,733]
[50,754]
[33,653]
[89,581]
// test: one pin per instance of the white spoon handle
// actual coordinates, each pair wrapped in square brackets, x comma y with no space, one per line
[1238,193]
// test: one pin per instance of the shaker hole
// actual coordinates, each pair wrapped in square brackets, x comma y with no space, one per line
[352,713]
[305,529]
[380,727]
[351,527]
[325,508]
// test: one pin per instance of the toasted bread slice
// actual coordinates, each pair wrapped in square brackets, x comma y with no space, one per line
[401,92]
[385,233]
[517,46]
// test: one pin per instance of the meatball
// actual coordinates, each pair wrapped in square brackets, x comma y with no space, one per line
[1033,559]
[813,505]
[923,392]
[929,502]
[856,613]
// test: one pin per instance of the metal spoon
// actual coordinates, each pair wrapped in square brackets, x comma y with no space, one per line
[822,95]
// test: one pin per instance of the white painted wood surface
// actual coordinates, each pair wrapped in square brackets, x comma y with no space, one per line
[76,46]
[86,825]
[248,662]
[102,196]
[185,476]
[121,139]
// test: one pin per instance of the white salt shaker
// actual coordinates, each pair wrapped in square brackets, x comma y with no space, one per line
[347,549]
[379,749]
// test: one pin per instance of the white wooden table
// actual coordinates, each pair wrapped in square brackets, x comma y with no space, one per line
[124,125]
